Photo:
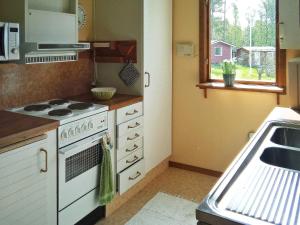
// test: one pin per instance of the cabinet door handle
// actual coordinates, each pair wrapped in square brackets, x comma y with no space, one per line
[45,170]
[135,177]
[135,126]
[131,114]
[135,137]
[149,79]
[134,159]
[131,150]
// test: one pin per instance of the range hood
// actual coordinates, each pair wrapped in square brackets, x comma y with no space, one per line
[48,53]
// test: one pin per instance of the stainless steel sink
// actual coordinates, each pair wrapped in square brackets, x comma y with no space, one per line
[281,157]
[287,137]
[262,186]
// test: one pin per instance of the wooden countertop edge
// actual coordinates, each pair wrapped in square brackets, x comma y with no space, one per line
[27,134]
[126,103]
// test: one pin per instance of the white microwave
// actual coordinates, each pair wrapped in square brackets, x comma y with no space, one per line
[9,41]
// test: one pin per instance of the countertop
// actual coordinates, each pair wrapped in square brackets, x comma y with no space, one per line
[118,101]
[238,196]
[15,127]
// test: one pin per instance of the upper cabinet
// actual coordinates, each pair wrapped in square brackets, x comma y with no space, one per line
[289,24]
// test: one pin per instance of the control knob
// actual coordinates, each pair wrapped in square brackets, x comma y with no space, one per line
[14,51]
[77,130]
[90,125]
[71,132]
[64,135]
[84,127]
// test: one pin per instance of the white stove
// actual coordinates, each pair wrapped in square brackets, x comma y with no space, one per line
[77,119]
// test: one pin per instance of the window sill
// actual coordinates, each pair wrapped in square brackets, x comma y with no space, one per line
[243,87]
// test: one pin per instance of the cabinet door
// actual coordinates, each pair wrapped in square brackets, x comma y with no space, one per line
[157,80]
[289,24]
[28,194]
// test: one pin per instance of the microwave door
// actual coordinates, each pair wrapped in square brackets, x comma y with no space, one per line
[3,41]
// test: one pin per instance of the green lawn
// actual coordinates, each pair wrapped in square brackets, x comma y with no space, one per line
[242,73]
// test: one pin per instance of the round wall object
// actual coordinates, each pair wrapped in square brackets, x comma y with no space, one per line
[82,17]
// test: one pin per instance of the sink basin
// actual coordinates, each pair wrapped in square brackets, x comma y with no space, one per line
[281,157]
[287,137]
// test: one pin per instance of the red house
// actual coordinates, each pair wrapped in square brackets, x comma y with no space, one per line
[220,51]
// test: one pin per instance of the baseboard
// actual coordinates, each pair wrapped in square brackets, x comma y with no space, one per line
[120,200]
[195,169]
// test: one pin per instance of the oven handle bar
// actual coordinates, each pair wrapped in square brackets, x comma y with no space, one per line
[81,145]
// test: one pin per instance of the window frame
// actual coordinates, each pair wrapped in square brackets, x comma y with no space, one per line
[221,51]
[205,52]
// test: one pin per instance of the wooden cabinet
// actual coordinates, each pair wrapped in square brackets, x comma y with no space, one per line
[28,186]
[289,24]
[158,81]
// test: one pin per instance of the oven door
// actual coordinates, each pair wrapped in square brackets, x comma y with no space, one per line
[3,41]
[79,169]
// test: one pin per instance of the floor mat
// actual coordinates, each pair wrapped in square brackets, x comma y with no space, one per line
[164,209]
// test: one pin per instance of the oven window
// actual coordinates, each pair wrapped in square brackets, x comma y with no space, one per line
[83,161]
[1,41]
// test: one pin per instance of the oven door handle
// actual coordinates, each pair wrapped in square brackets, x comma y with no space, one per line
[81,145]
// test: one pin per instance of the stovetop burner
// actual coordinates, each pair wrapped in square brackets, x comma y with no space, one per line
[37,108]
[81,106]
[60,112]
[58,102]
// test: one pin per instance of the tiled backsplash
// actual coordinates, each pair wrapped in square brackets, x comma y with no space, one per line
[24,84]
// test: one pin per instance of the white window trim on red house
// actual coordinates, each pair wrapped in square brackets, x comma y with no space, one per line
[221,54]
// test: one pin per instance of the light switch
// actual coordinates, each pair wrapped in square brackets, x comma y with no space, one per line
[185,49]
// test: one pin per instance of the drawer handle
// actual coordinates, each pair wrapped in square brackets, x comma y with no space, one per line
[135,137]
[131,150]
[130,114]
[135,126]
[131,161]
[45,170]
[137,175]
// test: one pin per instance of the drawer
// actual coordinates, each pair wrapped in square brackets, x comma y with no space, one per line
[129,160]
[126,150]
[131,176]
[129,112]
[129,138]
[130,126]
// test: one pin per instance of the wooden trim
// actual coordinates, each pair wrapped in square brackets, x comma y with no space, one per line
[23,143]
[280,55]
[242,87]
[204,39]
[204,51]
[195,169]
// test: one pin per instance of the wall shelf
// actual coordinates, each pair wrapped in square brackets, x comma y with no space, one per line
[115,51]
[243,87]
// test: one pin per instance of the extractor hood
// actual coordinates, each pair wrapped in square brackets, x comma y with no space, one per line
[49,53]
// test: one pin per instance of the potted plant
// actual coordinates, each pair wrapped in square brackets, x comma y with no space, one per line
[229,71]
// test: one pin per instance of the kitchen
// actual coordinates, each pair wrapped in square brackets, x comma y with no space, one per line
[168,140]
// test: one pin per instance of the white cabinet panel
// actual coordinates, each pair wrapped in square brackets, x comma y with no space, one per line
[126,150]
[28,195]
[130,160]
[130,126]
[289,24]
[158,96]
[131,176]
[129,112]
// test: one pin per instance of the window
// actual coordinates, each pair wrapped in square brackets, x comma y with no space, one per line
[218,51]
[248,32]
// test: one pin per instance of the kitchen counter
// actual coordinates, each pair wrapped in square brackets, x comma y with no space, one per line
[259,187]
[118,101]
[15,127]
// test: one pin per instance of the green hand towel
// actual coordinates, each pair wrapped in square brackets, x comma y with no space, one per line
[107,192]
